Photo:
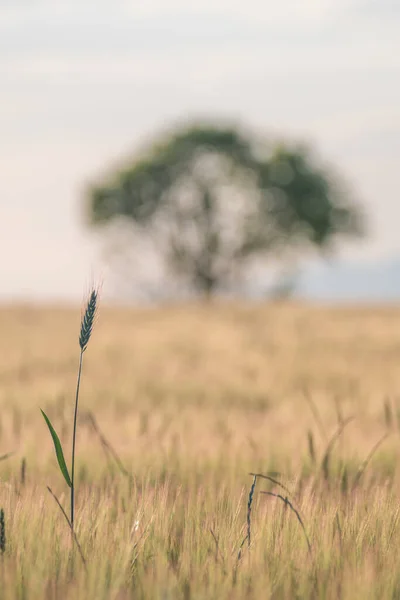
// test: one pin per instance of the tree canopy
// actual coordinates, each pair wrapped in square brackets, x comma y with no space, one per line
[212,198]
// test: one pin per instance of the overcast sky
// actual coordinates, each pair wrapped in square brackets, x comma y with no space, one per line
[83,83]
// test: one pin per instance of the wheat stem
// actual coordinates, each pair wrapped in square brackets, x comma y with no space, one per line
[74,441]
[60,506]
[84,337]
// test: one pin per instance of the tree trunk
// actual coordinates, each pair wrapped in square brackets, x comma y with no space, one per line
[206,286]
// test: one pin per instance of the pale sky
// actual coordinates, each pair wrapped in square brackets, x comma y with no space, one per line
[83,83]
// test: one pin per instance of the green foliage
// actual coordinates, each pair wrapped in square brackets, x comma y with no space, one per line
[58,449]
[212,198]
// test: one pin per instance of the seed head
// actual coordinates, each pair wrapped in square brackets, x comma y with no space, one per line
[88,319]
[2,532]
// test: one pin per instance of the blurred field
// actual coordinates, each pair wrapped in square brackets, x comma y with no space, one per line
[193,399]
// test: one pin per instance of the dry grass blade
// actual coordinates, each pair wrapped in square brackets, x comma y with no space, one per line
[311,447]
[331,443]
[5,456]
[339,530]
[368,458]
[338,409]
[273,480]
[287,502]
[218,552]
[106,444]
[249,505]
[388,413]
[344,481]
[23,471]
[69,525]
[315,412]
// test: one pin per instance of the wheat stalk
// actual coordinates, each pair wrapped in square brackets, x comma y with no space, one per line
[249,505]
[87,323]
[84,337]
[2,532]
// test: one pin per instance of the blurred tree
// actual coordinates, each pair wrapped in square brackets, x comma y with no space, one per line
[212,199]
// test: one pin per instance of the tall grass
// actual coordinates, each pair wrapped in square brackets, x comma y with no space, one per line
[185,403]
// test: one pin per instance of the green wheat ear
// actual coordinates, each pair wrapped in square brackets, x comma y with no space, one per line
[2,532]
[88,320]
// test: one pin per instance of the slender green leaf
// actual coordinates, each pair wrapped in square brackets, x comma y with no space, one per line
[59,450]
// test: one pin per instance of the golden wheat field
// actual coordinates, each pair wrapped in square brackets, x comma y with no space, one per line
[178,406]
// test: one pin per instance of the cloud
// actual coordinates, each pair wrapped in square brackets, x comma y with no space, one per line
[388,10]
[252,10]
[44,39]
[172,16]
[205,50]
[288,14]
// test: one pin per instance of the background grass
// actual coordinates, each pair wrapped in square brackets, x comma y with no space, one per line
[192,399]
